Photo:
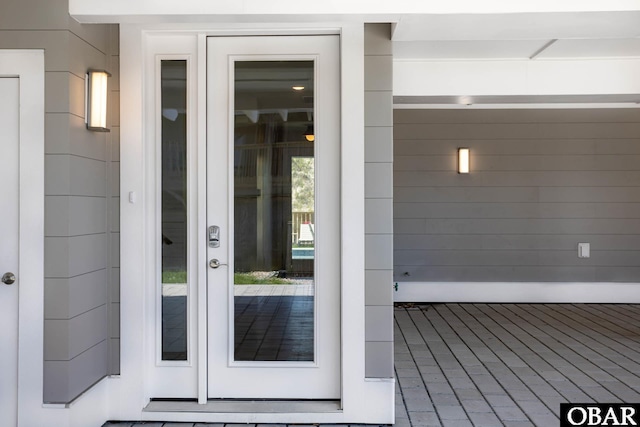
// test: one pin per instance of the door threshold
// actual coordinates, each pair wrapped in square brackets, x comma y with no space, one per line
[245,406]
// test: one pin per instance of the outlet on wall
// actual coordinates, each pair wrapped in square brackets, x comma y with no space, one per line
[584,250]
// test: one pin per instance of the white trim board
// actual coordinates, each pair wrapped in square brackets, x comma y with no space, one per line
[363,400]
[28,66]
[518,292]
[510,106]
[584,77]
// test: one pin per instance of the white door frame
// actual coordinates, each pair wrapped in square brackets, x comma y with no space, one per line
[318,378]
[28,66]
[363,400]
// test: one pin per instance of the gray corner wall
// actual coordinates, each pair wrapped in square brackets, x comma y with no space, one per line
[541,182]
[78,212]
[113,200]
[378,62]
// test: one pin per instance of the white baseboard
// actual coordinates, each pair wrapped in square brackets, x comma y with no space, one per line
[517,292]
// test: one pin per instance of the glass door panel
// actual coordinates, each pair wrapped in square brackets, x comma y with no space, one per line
[273,273]
[174,209]
[274,197]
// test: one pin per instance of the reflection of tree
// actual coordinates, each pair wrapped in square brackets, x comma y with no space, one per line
[302,183]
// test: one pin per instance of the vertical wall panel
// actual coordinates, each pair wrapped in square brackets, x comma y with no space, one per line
[113,194]
[541,181]
[378,201]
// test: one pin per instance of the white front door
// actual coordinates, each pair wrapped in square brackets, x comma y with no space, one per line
[9,123]
[273,191]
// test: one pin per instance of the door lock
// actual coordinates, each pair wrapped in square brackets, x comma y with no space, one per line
[214,236]
[8,278]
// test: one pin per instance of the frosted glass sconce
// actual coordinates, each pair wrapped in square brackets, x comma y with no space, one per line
[463,160]
[96,100]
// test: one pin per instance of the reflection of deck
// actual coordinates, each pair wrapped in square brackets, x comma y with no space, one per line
[273,290]
[180,289]
[272,322]
[274,327]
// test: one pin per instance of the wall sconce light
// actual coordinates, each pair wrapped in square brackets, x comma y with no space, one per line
[463,160]
[96,100]
[309,135]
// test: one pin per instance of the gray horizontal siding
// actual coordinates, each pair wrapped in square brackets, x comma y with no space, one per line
[114,203]
[65,380]
[586,115]
[503,163]
[538,242]
[74,176]
[74,256]
[519,179]
[74,216]
[575,226]
[511,257]
[60,96]
[517,274]
[541,181]
[525,145]
[378,215]
[67,338]
[68,298]
[518,194]
[517,210]
[517,130]
[67,134]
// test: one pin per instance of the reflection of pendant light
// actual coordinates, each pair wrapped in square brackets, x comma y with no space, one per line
[308,134]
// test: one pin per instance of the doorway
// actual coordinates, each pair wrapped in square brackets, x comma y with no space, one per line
[273,273]
[9,194]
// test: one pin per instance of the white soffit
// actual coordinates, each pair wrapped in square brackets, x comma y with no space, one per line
[467,49]
[353,10]
[518,26]
[516,49]
[586,48]
[518,99]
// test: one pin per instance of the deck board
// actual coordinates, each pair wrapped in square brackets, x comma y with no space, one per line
[509,364]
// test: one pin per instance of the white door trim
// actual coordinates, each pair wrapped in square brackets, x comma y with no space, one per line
[363,400]
[28,66]
[519,292]
[318,378]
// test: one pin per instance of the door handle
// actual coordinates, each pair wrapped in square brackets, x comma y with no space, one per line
[8,278]
[214,263]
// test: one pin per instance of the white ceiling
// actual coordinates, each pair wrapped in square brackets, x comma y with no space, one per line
[517,36]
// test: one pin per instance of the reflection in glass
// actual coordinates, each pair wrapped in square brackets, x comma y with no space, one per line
[174,210]
[274,193]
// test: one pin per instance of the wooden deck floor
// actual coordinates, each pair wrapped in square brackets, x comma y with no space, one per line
[512,365]
[508,364]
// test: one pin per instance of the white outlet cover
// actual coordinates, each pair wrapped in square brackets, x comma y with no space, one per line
[584,250]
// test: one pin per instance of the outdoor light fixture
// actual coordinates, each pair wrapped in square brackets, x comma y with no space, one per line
[96,100]
[309,135]
[463,160]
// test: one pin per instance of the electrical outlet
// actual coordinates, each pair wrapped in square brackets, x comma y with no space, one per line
[584,250]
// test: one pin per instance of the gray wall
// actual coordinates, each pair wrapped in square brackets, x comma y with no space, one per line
[77,209]
[541,181]
[113,200]
[378,201]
